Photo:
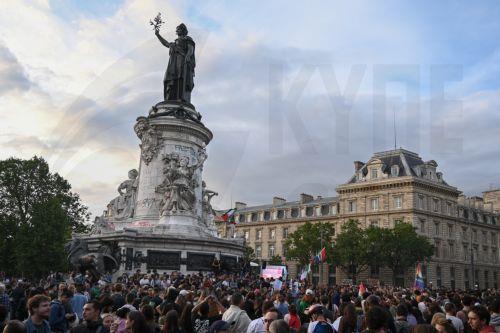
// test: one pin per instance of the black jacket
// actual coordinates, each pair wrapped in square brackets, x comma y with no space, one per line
[90,327]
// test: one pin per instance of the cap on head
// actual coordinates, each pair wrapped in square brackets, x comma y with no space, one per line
[309,292]
[219,325]
[314,309]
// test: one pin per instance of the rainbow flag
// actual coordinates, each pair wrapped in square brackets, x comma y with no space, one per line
[419,279]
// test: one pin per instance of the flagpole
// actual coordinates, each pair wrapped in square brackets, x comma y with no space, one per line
[321,260]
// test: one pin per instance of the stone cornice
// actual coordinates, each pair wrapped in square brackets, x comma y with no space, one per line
[384,184]
[166,125]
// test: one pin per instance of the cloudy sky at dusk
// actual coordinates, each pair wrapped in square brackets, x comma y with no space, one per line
[294,92]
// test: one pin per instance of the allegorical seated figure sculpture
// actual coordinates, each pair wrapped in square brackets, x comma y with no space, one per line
[178,187]
[122,207]
[208,211]
[178,81]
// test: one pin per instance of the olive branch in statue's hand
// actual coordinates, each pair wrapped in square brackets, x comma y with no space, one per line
[156,22]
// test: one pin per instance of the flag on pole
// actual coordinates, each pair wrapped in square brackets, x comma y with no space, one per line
[322,254]
[305,271]
[303,274]
[361,290]
[419,279]
[229,216]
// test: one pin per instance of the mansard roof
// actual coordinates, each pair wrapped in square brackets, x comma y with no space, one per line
[408,164]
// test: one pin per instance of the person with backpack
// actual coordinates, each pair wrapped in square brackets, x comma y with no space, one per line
[58,318]
[318,323]
[235,316]
[401,323]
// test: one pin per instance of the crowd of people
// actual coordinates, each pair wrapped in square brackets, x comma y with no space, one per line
[209,303]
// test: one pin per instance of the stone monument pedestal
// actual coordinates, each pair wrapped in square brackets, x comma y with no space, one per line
[162,217]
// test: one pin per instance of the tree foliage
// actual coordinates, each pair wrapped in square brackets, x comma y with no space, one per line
[402,248]
[352,249]
[275,260]
[307,240]
[38,212]
[249,254]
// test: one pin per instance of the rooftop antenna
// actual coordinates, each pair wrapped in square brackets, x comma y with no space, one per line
[394,122]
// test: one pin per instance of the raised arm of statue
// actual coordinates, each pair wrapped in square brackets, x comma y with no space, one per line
[162,40]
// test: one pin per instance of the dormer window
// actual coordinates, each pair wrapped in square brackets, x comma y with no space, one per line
[395,170]
[309,211]
[325,210]
[374,173]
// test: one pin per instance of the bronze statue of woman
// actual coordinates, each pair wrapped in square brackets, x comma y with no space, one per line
[178,82]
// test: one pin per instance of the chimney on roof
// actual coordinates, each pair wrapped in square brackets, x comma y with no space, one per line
[240,205]
[493,197]
[477,202]
[277,201]
[358,165]
[461,199]
[305,198]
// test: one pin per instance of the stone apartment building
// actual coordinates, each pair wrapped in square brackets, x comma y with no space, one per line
[394,186]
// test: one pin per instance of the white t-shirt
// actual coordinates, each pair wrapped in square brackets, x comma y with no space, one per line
[457,323]
[336,324]
[257,326]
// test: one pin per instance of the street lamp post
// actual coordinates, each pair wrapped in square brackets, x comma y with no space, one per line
[320,261]
[471,254]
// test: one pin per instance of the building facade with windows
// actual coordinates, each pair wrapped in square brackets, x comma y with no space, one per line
[393,187]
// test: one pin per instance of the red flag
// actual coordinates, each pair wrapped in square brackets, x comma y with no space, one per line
[322,254]
[362,289]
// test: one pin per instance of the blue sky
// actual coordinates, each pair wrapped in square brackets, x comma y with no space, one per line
[78,74]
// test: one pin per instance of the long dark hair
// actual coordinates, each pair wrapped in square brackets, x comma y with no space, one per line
[139,322]
[349,319]
[171,322]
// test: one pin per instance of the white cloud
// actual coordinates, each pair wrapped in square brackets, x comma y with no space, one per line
[81,82]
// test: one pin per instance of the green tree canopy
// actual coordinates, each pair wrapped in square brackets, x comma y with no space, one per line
[249,254]
[352,249]
[307,240]
[38,212]
[402,248]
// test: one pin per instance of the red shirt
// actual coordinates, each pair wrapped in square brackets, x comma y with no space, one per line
[294,322]
[488,329]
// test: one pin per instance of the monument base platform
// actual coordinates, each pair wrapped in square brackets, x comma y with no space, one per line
[163,252]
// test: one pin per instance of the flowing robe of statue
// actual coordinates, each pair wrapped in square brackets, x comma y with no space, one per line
[122,206]
[179,76]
